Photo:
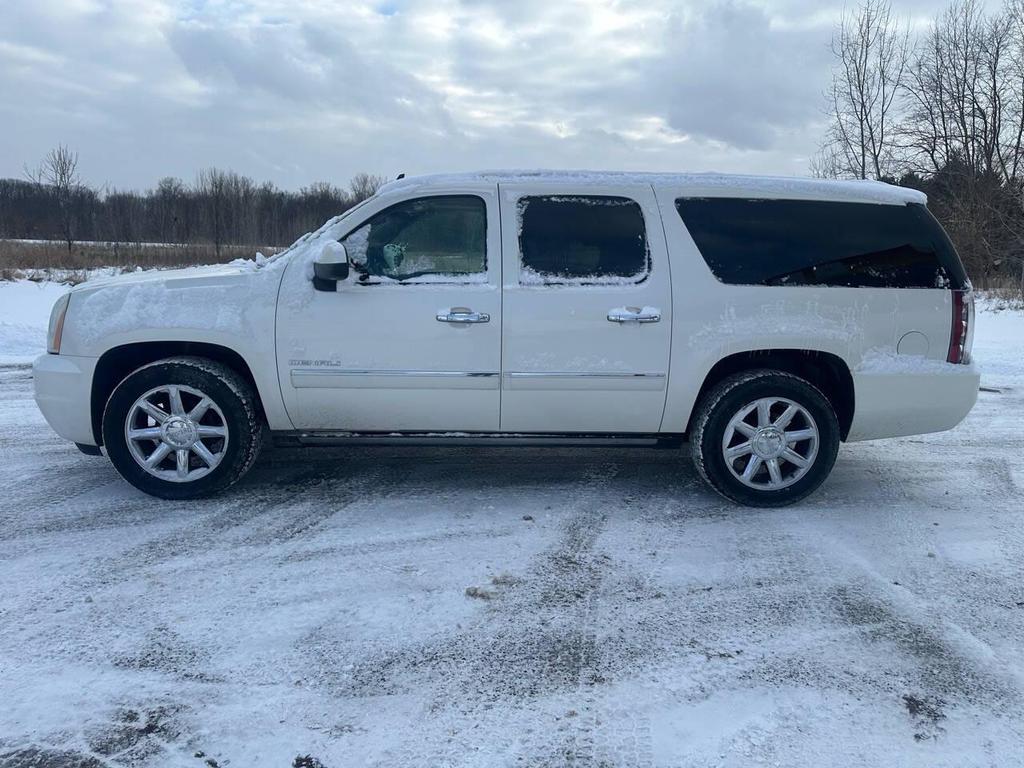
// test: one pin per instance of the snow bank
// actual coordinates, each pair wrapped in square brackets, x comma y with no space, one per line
[24,316]
[998,337]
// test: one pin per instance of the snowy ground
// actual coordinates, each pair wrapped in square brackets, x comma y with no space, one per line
[624,616]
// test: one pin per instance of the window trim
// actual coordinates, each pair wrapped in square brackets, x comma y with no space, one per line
[418,280]
[606,281]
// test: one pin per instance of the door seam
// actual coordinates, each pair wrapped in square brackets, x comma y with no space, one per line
[501,301]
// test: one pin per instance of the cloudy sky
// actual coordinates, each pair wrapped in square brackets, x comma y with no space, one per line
[302,90]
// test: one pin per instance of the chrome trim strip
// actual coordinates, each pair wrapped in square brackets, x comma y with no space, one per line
[581,374]
[360,378]
[369,372]
[584,381]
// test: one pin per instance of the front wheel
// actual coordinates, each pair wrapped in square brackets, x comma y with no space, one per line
[182,428]
[765,438]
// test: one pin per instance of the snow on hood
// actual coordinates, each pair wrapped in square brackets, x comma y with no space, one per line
[204,275]
[229,302]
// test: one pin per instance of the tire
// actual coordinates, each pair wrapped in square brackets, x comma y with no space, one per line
[216,423]
[731,417]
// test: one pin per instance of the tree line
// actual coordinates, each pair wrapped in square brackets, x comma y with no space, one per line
[939,108]
[218,208]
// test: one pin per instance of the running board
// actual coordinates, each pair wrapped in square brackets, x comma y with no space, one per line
[461,439]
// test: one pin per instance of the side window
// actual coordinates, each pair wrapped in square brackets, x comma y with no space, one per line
[582,239]
[440,236]
[813,242]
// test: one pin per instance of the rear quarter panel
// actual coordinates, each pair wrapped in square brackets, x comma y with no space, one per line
[862,326]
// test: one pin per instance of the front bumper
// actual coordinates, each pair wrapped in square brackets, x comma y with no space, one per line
[63,391]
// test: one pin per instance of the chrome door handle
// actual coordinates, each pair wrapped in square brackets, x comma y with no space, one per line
[634,315]
[462,315]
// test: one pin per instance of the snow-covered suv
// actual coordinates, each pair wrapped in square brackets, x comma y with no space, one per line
[764,320]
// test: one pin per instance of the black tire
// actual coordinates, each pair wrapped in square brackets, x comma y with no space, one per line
[231,394]
[728,398]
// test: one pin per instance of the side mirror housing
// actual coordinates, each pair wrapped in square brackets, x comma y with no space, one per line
[331,265]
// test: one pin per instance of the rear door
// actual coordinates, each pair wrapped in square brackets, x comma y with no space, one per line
[587,309]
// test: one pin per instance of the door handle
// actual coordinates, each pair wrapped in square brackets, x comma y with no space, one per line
[462,315]
[634,315]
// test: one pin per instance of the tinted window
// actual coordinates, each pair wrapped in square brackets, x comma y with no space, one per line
[426,236]
[798,242]
[589,238]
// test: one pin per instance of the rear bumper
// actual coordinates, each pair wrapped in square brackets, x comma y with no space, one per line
[63,391]
[899,404]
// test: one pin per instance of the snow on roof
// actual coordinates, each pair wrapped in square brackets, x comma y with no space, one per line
[696,184]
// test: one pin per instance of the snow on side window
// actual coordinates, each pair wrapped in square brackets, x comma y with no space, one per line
[429,239]
[581,240]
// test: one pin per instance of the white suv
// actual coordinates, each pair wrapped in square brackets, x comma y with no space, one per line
[764,320]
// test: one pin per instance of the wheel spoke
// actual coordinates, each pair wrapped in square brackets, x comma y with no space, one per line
[787,416]
[764,417]
[752,466]
[182,462]
[800,434]
[745,429]
[155,413]
[146,433]
[203,453]
[158,455]
[794,458]
[736,451]
[205,431]
[200,410]
[174,395]
[774,472]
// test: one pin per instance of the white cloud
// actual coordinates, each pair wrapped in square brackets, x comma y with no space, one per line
[296,92]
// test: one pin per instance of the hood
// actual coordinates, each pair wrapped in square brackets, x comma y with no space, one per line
[217,274]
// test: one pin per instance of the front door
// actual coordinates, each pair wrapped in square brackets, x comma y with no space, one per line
[412,340]
[587,309]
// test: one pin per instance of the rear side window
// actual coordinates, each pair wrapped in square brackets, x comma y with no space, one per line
[586,239]
[811,242]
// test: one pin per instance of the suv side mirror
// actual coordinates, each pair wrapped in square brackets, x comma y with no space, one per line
[331,265]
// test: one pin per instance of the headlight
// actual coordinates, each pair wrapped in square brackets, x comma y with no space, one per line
[56,330]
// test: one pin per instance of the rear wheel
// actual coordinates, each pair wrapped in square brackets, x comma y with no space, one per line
[765,438]
[182,428]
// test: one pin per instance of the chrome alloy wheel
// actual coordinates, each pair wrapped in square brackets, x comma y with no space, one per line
[770,443]
[176,433]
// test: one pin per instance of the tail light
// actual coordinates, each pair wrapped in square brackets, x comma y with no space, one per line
[960,331]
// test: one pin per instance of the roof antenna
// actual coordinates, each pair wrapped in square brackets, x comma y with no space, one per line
[400,176]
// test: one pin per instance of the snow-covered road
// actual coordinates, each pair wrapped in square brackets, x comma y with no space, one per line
[619,614]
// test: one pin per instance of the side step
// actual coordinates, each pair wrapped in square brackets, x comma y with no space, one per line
[462,439]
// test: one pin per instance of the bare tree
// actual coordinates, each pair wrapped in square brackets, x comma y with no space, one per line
[964,92]
[221,208]
[824,164]
[364,185]
[212,190]
[871,48]
[1014,78]
[964,126]
[58,173]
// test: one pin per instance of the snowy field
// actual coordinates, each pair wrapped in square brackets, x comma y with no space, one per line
[618,613]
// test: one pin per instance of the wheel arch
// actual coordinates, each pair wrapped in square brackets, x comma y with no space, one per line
[118,362]
[825,370]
